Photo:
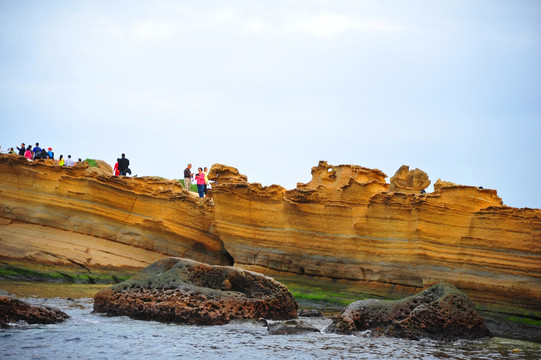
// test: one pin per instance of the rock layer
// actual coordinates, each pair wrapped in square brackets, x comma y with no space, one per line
[47,205]
[441,312]
[345,224]
[185,291]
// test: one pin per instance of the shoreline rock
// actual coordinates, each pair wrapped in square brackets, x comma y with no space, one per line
[440,312]
[185,291]
[13,310]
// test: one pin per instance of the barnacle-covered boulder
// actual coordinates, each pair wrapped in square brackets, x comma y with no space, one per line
[186,291]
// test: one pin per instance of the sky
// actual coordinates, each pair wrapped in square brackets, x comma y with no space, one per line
[272,87]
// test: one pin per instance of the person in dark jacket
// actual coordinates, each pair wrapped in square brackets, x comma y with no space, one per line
[22,149]
[123,165]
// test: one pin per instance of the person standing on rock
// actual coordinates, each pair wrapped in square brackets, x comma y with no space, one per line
[188,177]
[206,172]
[28,153]
[37,151]
[200,178]
[22,149]
[123,165]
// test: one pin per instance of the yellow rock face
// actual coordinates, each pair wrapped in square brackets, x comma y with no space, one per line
[345,224]
[106,215]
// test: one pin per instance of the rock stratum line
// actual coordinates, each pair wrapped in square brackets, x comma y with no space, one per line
[347,224]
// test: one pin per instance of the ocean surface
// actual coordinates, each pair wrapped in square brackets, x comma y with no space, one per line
[87,335]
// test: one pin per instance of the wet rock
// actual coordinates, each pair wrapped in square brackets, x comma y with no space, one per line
[185,291]
[290,327]
[440,312]
[13,310]
[309,313]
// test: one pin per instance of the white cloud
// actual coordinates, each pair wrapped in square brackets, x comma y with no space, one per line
[324,24]
[331,24]
[153,30]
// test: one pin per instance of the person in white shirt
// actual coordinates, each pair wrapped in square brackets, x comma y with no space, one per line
[69,161]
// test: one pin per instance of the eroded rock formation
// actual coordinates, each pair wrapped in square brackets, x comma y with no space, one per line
[13,310]
[409,181]
[184,291]
[345,224]
[440,312]
[86,216]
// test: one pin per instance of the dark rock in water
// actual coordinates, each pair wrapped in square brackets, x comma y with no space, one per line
[13,310]
[440,312]
[185,291]
[290,327]
[309,313]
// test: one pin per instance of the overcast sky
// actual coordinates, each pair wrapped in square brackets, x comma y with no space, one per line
[272,87]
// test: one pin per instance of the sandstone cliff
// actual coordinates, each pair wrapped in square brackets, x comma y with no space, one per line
[82,215]
[346,224]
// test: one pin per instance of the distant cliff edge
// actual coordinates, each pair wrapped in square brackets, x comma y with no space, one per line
[347,225]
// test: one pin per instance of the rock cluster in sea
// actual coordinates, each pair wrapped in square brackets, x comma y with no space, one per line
[186,291]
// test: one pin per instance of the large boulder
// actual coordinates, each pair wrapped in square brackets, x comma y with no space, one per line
[13,310]
[185,291]
[441,312]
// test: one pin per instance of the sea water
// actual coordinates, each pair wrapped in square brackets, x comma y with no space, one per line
[88,335]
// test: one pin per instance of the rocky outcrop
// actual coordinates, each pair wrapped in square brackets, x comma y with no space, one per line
[409,181]
[440,312]
[185,291]
[86,216]
[13,310]
[346,224]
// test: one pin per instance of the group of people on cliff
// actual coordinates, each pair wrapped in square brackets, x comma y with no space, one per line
[38,153]
[201,179]
[122,166]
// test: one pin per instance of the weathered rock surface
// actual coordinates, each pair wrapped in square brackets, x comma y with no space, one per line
[441,312]
[13,310]
[409,181]
[291,327]
[186,291]
[345,224]
[86,216]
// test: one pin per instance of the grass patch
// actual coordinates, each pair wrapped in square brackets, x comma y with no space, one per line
[193,187]
[332,298]
[91,162]
[322,299]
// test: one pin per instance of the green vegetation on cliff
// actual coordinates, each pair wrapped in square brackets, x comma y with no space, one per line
[91,162]
[18,270]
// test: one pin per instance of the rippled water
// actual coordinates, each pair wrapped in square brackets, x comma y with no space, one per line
[87,335]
